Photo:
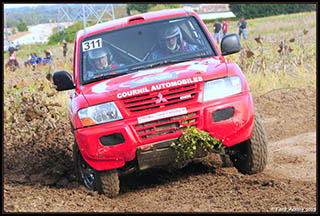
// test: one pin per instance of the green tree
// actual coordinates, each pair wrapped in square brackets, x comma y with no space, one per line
[142,8]
[22,27]
[68,34]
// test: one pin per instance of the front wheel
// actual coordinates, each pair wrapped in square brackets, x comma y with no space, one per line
[250,157]
[106,182]
[84,172]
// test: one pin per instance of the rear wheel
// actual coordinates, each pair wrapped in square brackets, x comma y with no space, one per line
[250,157]
[106,182]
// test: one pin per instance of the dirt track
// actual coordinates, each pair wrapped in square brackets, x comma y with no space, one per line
[287,184]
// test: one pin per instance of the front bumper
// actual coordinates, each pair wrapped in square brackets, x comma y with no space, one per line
[235,126]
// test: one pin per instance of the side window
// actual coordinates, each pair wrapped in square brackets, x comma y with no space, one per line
[191,34]
[187,32]
[195,34]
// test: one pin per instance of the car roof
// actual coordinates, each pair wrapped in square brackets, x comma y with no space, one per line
[131,20]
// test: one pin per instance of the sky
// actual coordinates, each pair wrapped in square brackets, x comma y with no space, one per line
[6,6]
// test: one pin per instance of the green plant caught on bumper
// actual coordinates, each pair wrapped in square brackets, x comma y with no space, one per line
[194,141]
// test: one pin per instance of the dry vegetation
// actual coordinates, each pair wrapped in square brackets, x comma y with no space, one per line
[280,52]
[36,127]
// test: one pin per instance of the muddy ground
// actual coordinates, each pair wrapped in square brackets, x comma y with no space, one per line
[41,178]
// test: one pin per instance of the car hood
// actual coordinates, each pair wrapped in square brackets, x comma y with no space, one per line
[153,79]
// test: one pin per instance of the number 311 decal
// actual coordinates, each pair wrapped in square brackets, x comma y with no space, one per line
[91,44]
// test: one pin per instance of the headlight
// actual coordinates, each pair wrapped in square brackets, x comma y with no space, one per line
[221,88]
[98,114]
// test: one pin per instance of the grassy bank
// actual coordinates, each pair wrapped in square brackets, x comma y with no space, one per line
[267,66]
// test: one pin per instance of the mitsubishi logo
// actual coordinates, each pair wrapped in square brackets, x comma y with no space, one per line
[161,99]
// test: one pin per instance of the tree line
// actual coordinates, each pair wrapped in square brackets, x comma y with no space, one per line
[250,11]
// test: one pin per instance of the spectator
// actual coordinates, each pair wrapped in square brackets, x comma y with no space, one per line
[242,24]
[221,33]
[29,60]
[37,59]
[65,48]
[13,61]
[11,49]
[224,27]
[216,31]
[48,56]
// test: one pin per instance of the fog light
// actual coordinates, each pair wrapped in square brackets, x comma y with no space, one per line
[223,114]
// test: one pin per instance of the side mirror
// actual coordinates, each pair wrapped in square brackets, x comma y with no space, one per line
[63,80]
[230,44]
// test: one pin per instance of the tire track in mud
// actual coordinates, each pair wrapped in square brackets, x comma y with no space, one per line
[294,158]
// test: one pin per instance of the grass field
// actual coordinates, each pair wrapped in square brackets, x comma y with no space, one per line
[264,66]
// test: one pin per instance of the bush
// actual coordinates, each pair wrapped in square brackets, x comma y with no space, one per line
[195,141]
[22,27]
[142,8]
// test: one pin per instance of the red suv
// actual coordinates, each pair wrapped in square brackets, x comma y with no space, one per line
[139,81]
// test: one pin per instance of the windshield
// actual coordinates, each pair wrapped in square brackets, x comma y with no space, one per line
[122,51]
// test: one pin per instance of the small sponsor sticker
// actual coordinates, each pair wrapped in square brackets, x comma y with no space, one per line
[91,44]
[185,97]
[163,114]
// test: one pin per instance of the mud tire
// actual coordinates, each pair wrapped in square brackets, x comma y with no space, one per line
[105,182]
[251,155]
[226,161]
[108,183]
[85,174]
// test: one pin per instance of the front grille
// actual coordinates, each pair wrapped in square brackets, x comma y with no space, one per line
[170,96]
[167,125]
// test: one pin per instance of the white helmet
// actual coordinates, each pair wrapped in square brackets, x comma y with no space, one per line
[98,53]
[171,32]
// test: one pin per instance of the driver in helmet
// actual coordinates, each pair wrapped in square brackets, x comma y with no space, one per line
[171,42]
[101,60]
